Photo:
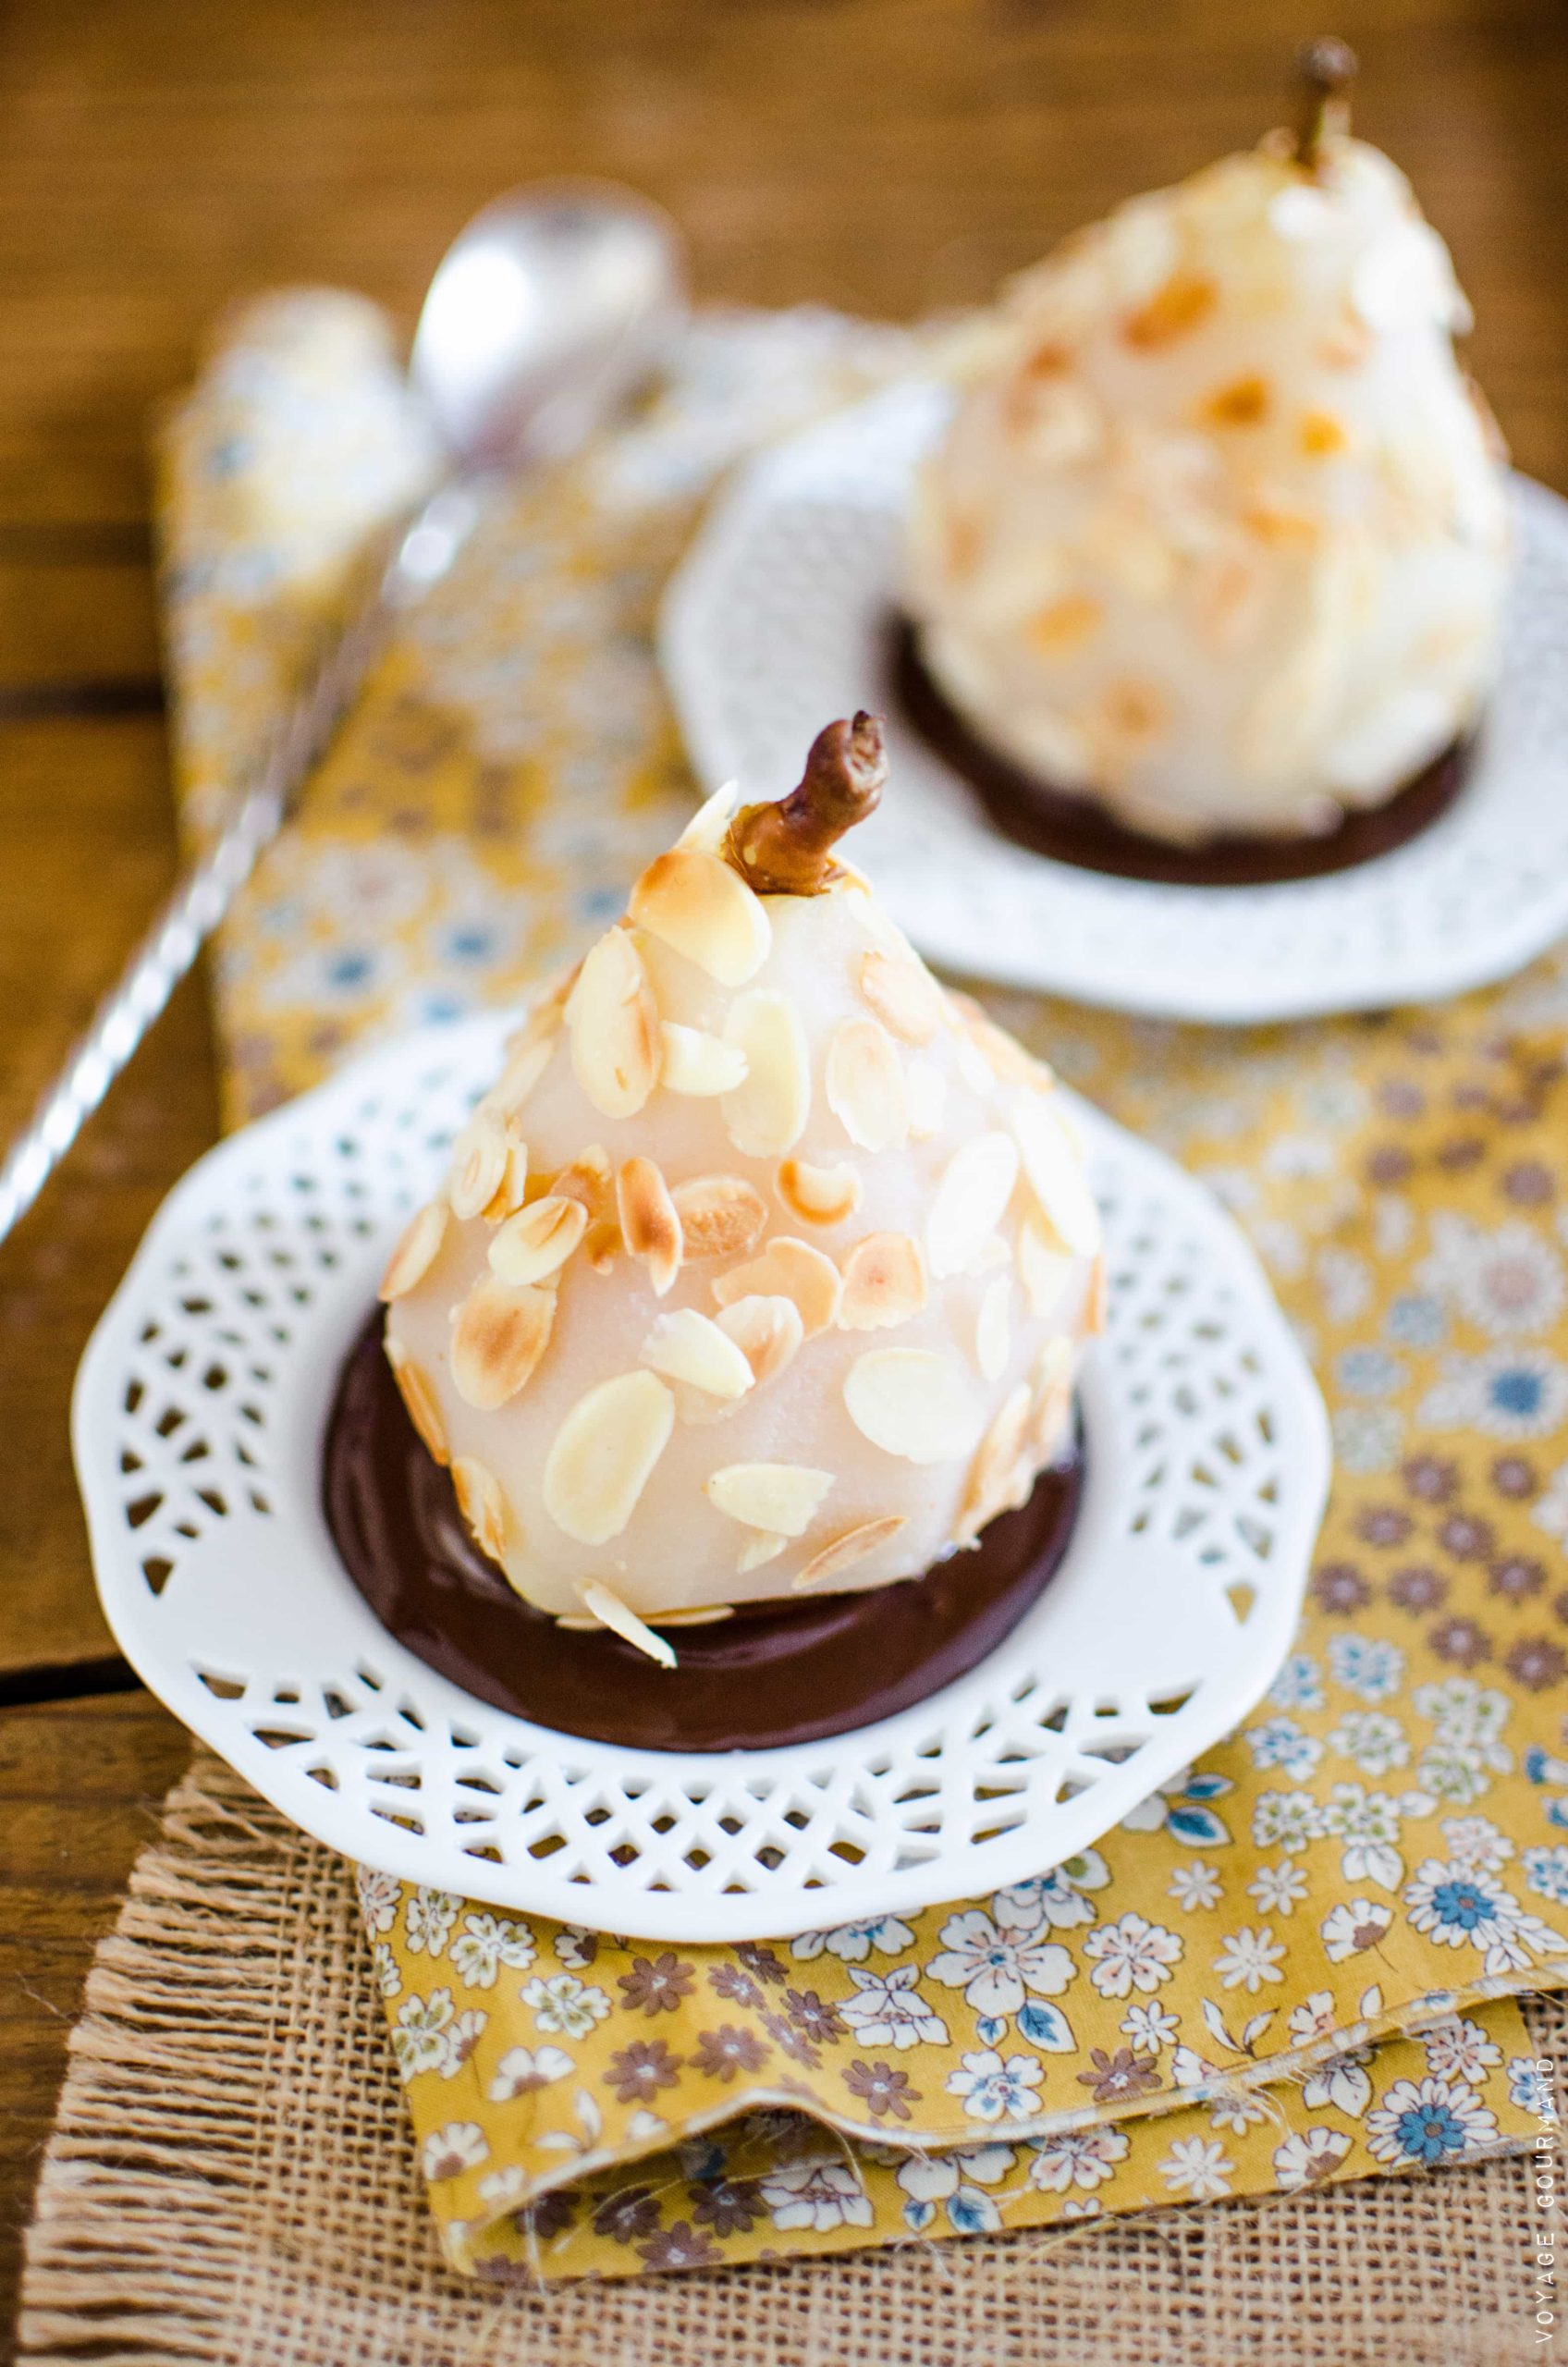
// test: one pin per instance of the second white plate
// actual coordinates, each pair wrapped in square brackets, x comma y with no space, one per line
[778,618]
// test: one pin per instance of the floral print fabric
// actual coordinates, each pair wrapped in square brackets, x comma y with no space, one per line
[1297,1961]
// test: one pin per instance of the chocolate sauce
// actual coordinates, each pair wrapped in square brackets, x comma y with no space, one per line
[767,1675]
[1072,828]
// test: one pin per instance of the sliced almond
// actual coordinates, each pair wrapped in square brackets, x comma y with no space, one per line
[589,1179]
[703,1618]
[709,826]
[614,1025]
[975,1068]
[1052,1407]
[690,1347]
[419,1397]
[602,1456]
[788,1268]
[993,1328]
[926,1089]
[512,1190]
[418,1246]
[722,1215]
[884,1283]
[975,1187]
[697,1063]
[608,1608]
[1003,1054]
[767,1331]
[903,995]
[760,1547]
[1000,1475]
[696,903]
[482,1504]
[1042,1268]
[843,1553]
[498,1335]
[818,1195]
[1055,1167]
[865,1088]
[649,1225]
[524,1068]
[541,1021]
[536,1243]
[479,1162]
[779,1497]
[763,1115]
[910,1402]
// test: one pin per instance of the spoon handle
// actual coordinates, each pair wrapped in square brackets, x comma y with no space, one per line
[425,548]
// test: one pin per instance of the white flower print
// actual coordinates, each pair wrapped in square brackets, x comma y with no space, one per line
[485,1943]
[448,2153]
[389,1978]
[1314,2017]
[459,2037]
[1191,2069]
[1546,1872]
[997,1969]
[379,1895]
[1131,1953]
[1149,2028]
[576,1947]
[1195,1886]
[430,1916]
[1529,2087]
[1428,2120]
[820,2195]
[955,2179]
[1375,1742]
[1309,2157]
[1462,1711]
[1056,1899]
[1474,1842]
[1279,1890]
[853,1942]
[1550,1511]
[565,2004]
[505,2187]
[524,2069]
[1077,2157]
[419,2038]
[1457,1908]
[1508,1282]
[1353,1926]
[1248,1958]
[1367,1665]
[1298,1684]
[1279,1742]
[1197,2166]
[1453,1772]
[989,2089]
[1286,1821]
[890,2011]
[1460,2050]
[1236,2112]
[1340,2081]
[1368,1825]
[1518,1392]
[1368,1437]
[1345,1285]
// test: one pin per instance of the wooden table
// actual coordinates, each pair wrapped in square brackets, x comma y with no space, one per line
[159,157]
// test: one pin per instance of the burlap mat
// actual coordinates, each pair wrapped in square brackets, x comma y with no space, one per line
[232,2180]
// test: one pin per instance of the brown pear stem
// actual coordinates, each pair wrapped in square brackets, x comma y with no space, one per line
[1325,70]
[786,849]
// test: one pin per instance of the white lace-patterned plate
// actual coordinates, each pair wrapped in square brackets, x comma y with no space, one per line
[778,619]
[198,1422]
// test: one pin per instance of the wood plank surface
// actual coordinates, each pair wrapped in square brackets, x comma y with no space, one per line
[159,158]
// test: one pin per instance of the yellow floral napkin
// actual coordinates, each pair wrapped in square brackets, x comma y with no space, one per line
[1297,1962]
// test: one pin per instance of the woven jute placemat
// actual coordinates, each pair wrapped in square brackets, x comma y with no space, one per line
[231,2181]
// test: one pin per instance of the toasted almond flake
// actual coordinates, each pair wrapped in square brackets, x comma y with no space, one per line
[993,1328]
[602,1456]
[479,1162]
[818,1195]
[590,1179]
[524,1070]
[482,1504]
[975,1187]
[1043,1269]
[1002,1053]
[577,1622]
[788,1268]
[697,1063]
[1055,1167]
[418,1244]
[761,1547]
[767,1331]
[512,1190]
[690,1347]
[418,1397]
[884,1283]
[1097,1308]
[709,826]
[902,994]
[1052,1407]
[608,1608]
[536,1243]
[541,1022]
[614,1027]
[498,1335]
[927,1088]
[841,1552]
[910,1402]
[697,904]
[722,1215]
[703,1618]
[648,1222]
[865,1086]
[764,1114]
[1000,1474]
[779,1497]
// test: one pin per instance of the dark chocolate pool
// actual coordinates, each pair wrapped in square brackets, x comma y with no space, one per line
[1073,830]
[762,1678]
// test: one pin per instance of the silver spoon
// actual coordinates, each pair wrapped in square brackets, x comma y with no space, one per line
[548,309]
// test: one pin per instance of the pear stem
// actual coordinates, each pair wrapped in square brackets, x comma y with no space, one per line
[1325,70]
[786,848]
